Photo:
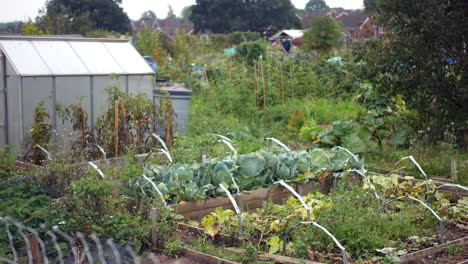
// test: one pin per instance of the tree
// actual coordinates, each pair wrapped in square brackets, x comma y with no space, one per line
[324,35]
[423,58]
[150,43]
[31,28]
[225,16]
[186,12]
[316,6]
[170,13]
[81,16]
[148,15]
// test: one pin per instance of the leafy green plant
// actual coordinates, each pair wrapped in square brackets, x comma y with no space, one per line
[250,51]
[41,131]
[188,182]
[310,128]
[346,134]
[7,163]
[173,248]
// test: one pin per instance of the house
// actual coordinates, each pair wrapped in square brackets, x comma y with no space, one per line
[291,34]
[355,23]
[167,26]
[369,29]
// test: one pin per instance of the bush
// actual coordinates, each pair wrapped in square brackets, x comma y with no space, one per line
[251,51]
[238,37]
[326,111]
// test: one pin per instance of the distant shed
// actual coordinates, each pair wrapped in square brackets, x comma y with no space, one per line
[63,70]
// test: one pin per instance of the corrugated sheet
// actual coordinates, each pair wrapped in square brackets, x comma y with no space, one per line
[46,57]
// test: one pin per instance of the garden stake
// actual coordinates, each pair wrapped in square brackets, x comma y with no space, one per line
[158,138]
[279,143]
[100,149]
[441,221]
[7,260]
[291,189]
[116,129]
[97,169]
[70,240]
[85,247]
[229,145]
[349,152]
[342,249]
[132,253]
[282,83]
[124,121]
[10,238]
[371,185]
[115,252]
[264,95]
[236,208]
[49,157]
[418,166]
[156,188]
[453,185]
[167,154]
[223,137]
[56,245]
[102,260]
[256,82]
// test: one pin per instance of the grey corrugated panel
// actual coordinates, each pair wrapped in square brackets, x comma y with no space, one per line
[141,84]
[128,58]
[36,89]
[24,57]
[69,90]
[97,58]
[69,56]
[13,112]
[99,92]
[61,38]
[60,57]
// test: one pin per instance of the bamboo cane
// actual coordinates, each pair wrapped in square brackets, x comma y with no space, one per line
[282,83]
[124,121]
[116,128]
[264,96]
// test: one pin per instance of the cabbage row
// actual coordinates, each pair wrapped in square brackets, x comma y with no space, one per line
[189,182]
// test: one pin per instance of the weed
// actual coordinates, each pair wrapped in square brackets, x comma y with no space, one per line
[173,248]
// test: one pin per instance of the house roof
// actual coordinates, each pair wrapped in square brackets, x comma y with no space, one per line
[168,25]
[54,56]
[350,19]
[293,33]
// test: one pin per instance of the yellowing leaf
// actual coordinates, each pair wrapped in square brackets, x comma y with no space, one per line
[212,230]
[274,226]
[275,244]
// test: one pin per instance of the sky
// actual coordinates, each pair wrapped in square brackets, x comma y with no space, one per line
[13,10]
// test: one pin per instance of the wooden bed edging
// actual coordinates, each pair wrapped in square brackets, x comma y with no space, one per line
[275,258]
[409,258]
[246,201]
[204,258]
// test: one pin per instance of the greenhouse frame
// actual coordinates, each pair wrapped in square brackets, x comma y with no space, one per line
[63,70]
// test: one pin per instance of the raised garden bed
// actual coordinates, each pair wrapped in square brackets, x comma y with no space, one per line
[456,234]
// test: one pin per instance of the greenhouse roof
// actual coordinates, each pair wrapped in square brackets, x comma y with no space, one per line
[51,56]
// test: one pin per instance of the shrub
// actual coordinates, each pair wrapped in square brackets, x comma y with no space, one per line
[238,37]
[250,51]
[326,111]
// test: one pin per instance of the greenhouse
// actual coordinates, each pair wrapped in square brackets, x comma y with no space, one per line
[65,71]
